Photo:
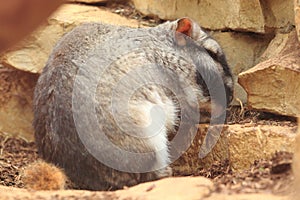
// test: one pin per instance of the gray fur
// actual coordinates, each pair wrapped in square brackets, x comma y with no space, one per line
[56,133]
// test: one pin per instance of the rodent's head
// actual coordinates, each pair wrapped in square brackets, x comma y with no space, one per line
[206,54]
[188,27]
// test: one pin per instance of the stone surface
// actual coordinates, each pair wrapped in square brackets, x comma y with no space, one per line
[273,85]
[32,54]
[240,144]
[16,91]
[248,143]
[187,188]
[297,17]
[241,15]
[279,14]
[229,14]
[171,188]
[243,52]
[277,45]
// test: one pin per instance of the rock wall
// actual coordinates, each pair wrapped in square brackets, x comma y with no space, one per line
[240,15]
[247,27]
[274,85]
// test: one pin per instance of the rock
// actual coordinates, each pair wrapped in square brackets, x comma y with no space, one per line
[170,188]
[261,141]
[16,91]
[187,188]
[241,15]
[279,14]
[184,188]
[273,85]
[243,52]
[297,17]
[274,48]
[32,54]
[240,144]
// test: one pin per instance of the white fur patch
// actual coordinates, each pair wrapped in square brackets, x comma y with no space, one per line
[156,117]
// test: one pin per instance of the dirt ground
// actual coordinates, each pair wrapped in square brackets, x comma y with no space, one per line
[15,154]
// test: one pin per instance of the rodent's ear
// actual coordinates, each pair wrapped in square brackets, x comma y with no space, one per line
[184,27]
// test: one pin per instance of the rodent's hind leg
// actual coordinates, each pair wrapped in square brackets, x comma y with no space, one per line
[164,172]
[154,119]
[162,157]
[159,143]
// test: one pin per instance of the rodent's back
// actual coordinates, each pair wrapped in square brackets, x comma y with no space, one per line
[55,84]
[55,132]
[57,138]
[93,59]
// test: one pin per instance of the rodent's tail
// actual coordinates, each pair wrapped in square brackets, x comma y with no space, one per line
[41,175]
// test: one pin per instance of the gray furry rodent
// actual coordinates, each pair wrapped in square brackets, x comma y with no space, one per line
[67,81]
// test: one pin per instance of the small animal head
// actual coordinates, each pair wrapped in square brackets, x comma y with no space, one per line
[209,58]
[188,27]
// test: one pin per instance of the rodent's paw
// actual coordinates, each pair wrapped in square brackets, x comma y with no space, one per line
[165,172]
